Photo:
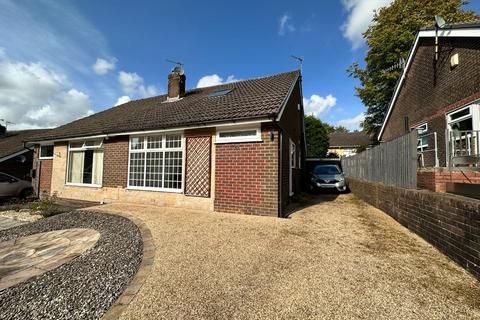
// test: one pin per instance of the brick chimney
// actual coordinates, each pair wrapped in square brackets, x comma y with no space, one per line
[176,83]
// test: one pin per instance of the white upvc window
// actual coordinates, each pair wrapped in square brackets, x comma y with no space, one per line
[422,138]
[85,163]
[464,119]
[156,162]
[46,152]
[239,134]
[293,154]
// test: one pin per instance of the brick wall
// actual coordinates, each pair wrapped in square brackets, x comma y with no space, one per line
[451,223]
[42,182]
[246,176]
[435,179]
[115,162]
[430,91]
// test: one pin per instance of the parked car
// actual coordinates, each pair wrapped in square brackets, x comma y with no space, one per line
[12,187]
[327,176]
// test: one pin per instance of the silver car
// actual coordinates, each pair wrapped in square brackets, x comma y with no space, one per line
[11,187]
[328,176]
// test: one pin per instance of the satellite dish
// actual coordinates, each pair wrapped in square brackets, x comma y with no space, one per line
[439,22]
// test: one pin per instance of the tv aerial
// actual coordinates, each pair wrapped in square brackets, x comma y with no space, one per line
[176,63]
[300,61]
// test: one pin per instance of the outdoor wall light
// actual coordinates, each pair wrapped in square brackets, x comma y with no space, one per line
[272,135]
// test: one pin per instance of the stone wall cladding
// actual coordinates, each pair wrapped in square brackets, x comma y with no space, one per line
[451,223]
[436,179]
[115,162]
[246,176]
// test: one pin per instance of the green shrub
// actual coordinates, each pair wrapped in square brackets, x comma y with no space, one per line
[46,206]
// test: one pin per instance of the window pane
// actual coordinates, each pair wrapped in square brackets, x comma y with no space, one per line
[137,165]
[460,113]
[236,134]
[75,165]
[136,143]
[154,142]
[76,144]
[173,141]
[154,169]
[88,167]
[464,125]
[98,167]
[46,151]
[173,170]
[93,143]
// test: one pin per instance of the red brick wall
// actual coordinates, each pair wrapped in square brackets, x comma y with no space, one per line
[246,176]
[291,122]
[115,162]
[43,178]
[436,179]
[451,223]
[430,91]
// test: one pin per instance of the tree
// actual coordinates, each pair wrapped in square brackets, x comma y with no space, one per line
[389,38]
[340,129]
[316,134]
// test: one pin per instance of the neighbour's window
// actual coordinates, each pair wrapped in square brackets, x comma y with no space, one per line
[46,152]
[462,120]
[85,162]
[422,138]
[156,162]
[239,134]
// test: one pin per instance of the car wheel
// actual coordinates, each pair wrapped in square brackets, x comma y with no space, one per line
[25,193]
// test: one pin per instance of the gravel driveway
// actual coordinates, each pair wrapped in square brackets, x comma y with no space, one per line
[337,259]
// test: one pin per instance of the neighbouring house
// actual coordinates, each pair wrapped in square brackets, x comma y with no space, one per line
[15,158]
[237,147]
[438,95]
[346,144]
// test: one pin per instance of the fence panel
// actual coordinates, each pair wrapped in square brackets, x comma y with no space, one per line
[392,163]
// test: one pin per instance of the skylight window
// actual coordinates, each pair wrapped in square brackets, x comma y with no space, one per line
[220,93]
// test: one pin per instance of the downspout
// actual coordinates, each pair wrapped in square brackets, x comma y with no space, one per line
[280,162]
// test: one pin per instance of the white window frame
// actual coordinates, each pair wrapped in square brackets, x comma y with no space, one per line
[420,134]
[40,151]
[256,138]
[163,149]
[291,165]
[83,148]
[474,114]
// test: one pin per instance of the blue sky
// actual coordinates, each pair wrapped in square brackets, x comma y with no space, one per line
[63,60]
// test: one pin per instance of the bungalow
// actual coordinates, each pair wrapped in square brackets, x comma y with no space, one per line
[438,95]
[346,144]
[15,159]
[237,147]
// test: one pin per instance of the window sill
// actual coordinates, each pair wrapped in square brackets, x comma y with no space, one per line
[45,158]
[70,184]
[155,189]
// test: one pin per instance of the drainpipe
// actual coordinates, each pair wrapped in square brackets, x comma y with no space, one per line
[280,162]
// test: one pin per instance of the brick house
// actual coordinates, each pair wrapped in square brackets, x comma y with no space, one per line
[15,159]
[237,147]
[346,144]
[438,95]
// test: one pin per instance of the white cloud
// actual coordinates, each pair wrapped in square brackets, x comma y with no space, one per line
[102,66]
[33,96]
[132,84]
[360,14]
[122,100]
[213,80]
[285,25]
[318,105]
[352,123]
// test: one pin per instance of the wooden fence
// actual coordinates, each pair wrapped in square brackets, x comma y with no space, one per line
[392,163]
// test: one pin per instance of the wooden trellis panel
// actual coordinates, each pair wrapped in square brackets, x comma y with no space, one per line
[197,173]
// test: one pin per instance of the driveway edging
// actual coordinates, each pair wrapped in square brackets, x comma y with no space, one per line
[138,280]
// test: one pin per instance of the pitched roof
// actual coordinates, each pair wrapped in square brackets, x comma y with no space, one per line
[12,142]
[449,31]
[349,139]
[249,99]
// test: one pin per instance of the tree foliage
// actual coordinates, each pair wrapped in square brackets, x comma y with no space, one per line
[389,38]
[316,134]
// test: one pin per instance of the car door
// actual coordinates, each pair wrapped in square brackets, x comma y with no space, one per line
[8,186]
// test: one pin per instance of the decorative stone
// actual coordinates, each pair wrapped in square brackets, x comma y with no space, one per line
[26,257]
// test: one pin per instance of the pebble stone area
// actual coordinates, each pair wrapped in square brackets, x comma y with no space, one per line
[82,288]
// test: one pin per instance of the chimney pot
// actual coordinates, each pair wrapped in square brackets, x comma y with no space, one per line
[176,83]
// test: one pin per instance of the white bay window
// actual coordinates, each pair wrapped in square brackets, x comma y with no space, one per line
[156,162]
[85,163]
